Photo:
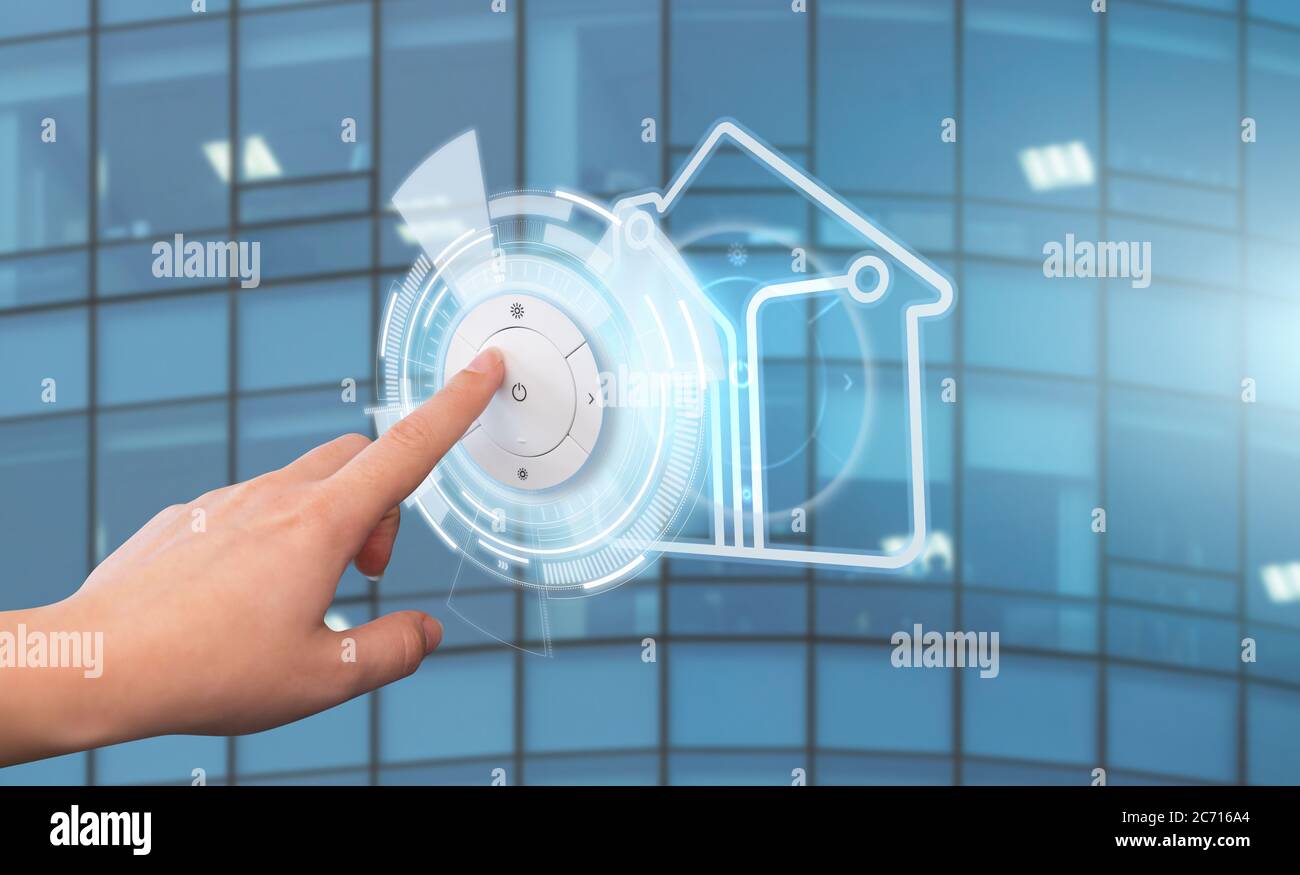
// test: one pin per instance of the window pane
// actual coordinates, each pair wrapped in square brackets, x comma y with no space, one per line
[1007,131]
[43,279]
[45,545]
[43,362]
[163,349]
[593,75]
[863,701]
[1273,506]
[416,725]
[175,177]
[1272,176]
[448,42]
[1174,337]
[1018,319]
[591,698]
[733,58]
[301,73]
[22,19]
[855,41]
[737,695]
[1172,481]
[302,335]
[593,771]
[124,11]
[1031,485]
[1273,717]
[1172,724]
[732,769]
[44,164]
[1172,94]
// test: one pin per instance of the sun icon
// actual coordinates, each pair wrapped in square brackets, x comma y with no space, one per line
[737,255]
[517,310]
[522,473]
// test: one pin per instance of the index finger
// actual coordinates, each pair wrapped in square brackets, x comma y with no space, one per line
[384,473]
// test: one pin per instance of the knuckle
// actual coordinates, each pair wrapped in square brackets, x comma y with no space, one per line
[412,643]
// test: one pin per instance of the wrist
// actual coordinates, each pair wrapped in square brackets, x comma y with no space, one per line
[52,680]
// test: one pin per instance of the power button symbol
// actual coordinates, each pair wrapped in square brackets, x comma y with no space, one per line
[518,392]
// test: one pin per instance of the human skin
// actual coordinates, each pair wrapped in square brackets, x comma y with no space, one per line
[218,628]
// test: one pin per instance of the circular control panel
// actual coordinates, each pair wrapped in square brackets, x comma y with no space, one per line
[543,422]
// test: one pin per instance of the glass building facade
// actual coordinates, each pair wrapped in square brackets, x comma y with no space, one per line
[1120,650]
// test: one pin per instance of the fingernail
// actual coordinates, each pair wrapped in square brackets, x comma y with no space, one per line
[432,634]
[486,361]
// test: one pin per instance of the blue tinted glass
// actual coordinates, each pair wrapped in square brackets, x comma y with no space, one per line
[326,247]
[737,695]
[1172,724]
[1172,481]
[1273,716]
[737,609]
[39,279]
[1272,178]
[163,349]
[46,16]
[977,773]
[1271,358]
[175,178]
[1273,505]
[43,144]
[863,701]
[1154,636]
[591,698]
[295,200]
[302,335]
[149,459]
[592,771]
[45,545]
[1204,592]
[302,74]
[1040,623]
[629,610]
[1284,11]
[169,759]
[860,150]
[1009,141]
[597,75]
[474,774]
[1031,485]
[1172,94]
[415,725]
[877,612]
[734,769]
[43,362]
[422,42]
[1174,337]
[891,770]
[1015,318]
[123,11]
[732,58]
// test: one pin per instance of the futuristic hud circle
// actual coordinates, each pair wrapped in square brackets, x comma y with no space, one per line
[573,499]
[574,495]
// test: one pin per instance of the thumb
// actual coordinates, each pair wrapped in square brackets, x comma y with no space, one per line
[388,649]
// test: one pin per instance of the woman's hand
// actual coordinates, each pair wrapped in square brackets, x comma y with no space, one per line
[212,615]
